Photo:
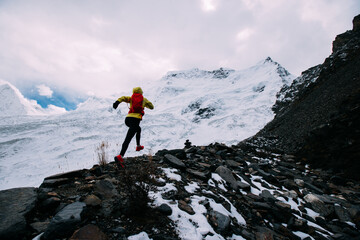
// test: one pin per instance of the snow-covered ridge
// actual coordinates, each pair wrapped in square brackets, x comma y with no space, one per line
[223,105]
[197,73]
[289,93]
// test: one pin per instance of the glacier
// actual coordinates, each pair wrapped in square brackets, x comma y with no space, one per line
[223,106]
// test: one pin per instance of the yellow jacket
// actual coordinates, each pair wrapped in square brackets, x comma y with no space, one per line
[127,99]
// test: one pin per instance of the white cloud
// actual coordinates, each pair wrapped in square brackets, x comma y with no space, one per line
[44,91]
[104,48]
[244,34]
[209,5]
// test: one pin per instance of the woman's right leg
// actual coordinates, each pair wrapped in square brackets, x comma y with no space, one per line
[134,128]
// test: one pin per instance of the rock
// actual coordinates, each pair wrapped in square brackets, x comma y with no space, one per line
[64,222]
[297,224]
[291,194]
[318,205]
[261,205]
[290,184]
[220,221]
[174,161]
[187,144]
[40,226]
[232,163]
[283,205]
[185,207]
[50,204]
[354,212]
[179,153]
[299,182]
[15,204]
[247,234]
[263,233]
[164,209]
[105,189]
[52,183]
[285,232]
[243,186]
[205,165]
[268,196]
[88,232]
[227,175]
[200,175]
[72,174]
[92,200]
[342,213]
[120,230]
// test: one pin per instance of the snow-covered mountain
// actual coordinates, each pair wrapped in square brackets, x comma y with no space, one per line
[13,103]
[223,105]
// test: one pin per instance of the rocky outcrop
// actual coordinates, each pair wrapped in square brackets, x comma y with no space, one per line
[65,221]
[15,205]
[356,23]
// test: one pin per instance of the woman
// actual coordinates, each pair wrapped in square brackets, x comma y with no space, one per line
[132,120]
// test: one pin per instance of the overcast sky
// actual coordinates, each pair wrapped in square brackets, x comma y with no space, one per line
[106,46]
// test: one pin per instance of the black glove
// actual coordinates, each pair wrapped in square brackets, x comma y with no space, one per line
[116,104]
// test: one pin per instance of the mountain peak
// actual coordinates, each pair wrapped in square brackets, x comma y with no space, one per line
[268,59]
[13,103]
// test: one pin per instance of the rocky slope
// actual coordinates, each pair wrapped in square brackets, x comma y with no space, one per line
[209,192]
[317,116]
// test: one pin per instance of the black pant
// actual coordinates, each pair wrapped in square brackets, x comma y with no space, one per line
[134,127]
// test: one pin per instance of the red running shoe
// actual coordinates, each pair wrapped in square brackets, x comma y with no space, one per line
[139,148]
[119,161]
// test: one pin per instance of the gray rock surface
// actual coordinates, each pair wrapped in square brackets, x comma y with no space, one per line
[65,221]
[15,204]
[227,175]
[174,161]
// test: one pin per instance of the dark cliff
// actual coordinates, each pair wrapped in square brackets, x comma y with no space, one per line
[318,116]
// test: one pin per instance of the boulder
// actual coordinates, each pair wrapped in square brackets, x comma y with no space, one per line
[71,174]
[342,213]
[227,175]
[92,200]
[105,189]
[88,232]
[185,207]
[54,182]
[243,186]
[318,205]
[64,222]
[164,209]
[220,221]
[232,163]
[50,204]
[40,226]
[263,233]
[268,196]
[174,161]
[200,175]
[15,204]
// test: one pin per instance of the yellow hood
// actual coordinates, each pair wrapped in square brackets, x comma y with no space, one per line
[137,90]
